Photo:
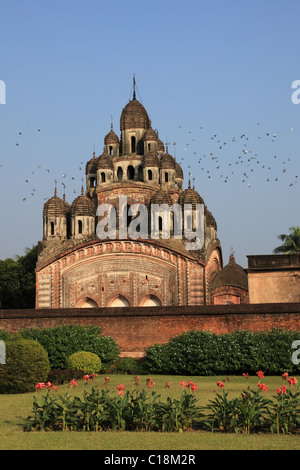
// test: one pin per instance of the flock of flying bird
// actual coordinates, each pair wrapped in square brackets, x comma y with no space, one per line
[244,159]
[213,163]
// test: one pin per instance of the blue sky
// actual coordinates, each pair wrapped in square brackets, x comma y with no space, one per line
[215,77]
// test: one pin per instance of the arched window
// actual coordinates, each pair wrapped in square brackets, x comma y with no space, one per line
[130,172]
[102,177]
[149,175]
[92,182]
[149,146]
[120,174]
[133,148]
[160,224]
[166,177]
[127,218]
[111,151]
[52,228]
[189,222]
[79,226]
[140,173]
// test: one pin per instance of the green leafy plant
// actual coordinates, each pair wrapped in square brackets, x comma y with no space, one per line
[27,363]
[83,360]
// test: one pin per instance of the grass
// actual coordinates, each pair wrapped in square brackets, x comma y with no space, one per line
[15,408]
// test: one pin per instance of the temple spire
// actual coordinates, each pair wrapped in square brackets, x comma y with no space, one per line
[134,95]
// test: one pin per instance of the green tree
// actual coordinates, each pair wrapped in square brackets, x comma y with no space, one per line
[17,280]
[291,242]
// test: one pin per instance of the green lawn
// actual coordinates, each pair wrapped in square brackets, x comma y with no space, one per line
[15,408]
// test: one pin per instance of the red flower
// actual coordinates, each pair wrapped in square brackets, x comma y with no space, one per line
[262,387]
[220,384]
[285,376]
[150,382]
[260,374]
[73,383]
[106,380]
[182,383]
[292,381]
[40,386]
[281,390]
[86,378]
[246,375]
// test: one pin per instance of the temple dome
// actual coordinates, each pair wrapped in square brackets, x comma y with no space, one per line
[91,166]
[55,207]
[104,162]
[83,205]
[111,138]
[167,162]
[161,197]
[232,275]
[134,116]
[150,159]
[190,196]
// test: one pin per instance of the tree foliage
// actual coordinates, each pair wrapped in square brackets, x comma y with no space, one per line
[17,280]
[291,242]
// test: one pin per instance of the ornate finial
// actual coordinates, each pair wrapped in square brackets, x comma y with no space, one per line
[82,189]
[111,123]
[193,182]
[189,186]
[231,256]
[64,195]
[55,189]
[134,96]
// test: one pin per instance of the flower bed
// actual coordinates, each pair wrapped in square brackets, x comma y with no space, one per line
[141,409]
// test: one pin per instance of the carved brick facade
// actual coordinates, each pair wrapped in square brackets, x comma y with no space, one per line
[78,268]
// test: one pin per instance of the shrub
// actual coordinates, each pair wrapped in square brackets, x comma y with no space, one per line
[27,363]
[62,341]
[128,365]
[89,362]
[61,376]
[206,353]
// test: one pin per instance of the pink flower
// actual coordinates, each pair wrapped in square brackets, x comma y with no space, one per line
[106,380]
[260,374]
[285,376]
[220,384]
[48,385]
[86,378]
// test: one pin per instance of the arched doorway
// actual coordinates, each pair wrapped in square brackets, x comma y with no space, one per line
[89,303]
[119,301]
[151,301]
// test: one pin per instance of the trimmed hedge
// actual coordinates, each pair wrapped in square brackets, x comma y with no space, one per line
[206,353]
[63,341]
[27,363]
[89,362]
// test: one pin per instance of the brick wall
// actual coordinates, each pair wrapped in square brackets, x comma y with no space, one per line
[134,329]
